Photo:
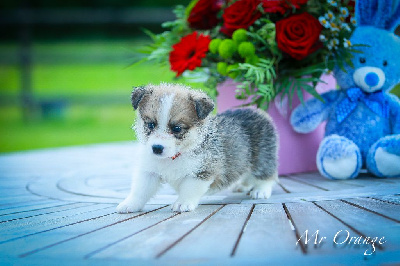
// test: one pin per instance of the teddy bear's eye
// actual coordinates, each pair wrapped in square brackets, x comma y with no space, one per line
[362,60]
[385,63]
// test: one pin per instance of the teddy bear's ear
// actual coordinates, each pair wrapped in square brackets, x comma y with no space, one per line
[383,14]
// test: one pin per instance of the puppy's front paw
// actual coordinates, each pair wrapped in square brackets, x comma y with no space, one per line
[261,192]
[128,206]
[184,206]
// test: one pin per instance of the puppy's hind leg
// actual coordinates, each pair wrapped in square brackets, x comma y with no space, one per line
[243,184]
[144,186]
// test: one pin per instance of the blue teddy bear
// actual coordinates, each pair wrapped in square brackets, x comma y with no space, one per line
[363,118]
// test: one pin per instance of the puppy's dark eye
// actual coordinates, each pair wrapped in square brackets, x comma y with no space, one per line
[151,125]
[385,63]
[176,129]
[362,60]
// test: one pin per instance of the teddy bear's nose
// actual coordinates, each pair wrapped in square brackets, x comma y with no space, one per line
[371,79]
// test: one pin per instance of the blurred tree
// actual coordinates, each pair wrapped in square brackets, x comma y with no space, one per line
[94,3]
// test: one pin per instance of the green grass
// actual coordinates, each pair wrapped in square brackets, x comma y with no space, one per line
[96,81]
[82,125]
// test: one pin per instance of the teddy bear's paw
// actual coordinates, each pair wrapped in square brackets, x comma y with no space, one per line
[342,168]
[338,158]
[383,158]
[388,164]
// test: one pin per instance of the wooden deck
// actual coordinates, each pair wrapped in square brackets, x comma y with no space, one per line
[57,206]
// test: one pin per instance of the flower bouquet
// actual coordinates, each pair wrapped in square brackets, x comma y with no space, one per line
[269,47]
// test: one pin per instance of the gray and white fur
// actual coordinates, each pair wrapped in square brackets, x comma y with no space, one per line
[196,153]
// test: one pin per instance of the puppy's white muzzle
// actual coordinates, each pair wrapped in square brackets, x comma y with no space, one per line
[161,145]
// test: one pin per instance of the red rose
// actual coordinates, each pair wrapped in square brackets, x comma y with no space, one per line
[187,53]
[240,15]
[294,3]
[274,6]
[280,6]
[203,15]
[298,35]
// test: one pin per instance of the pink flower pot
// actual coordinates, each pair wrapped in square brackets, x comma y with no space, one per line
[297,151]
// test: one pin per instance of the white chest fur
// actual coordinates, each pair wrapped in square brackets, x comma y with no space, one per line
[170,170]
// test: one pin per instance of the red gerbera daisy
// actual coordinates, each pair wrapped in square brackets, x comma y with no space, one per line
[187,53]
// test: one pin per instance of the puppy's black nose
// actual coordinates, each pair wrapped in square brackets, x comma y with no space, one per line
[157,149]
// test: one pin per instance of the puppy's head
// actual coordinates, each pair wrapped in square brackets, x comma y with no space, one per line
[169,117]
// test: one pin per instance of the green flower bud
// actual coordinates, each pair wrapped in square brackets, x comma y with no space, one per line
[213,46]
[239,35]
[253,60]
[222,68]
[246,49]
[232,74]
[227,48]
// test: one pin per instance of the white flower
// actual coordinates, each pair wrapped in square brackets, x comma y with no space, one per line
[344,12]
[334,27]
[324,22]
[346,43]
[333,44]
[346,27]
[353,21]
[322,38]
[330,16]
[332,2]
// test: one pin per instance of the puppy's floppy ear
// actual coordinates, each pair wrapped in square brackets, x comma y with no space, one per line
[137,95]
[203,105]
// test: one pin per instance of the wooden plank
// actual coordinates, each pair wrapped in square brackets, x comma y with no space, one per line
[79,247]
[317,230]
[297,187]
[40,212]
[392,199]
[28,206]
[392,211]
[35,244]
[366,224]
[49,188]
[371,191]
[216,237]
[19,200]
[151,242]
[30,209]
[372,181]
[43,220]
[23,231]
[268,234]
[325,183]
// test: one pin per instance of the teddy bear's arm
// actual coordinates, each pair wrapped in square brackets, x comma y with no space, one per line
[308,116]
[394,106]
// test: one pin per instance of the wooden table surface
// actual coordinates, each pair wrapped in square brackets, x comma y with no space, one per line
[57,206]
